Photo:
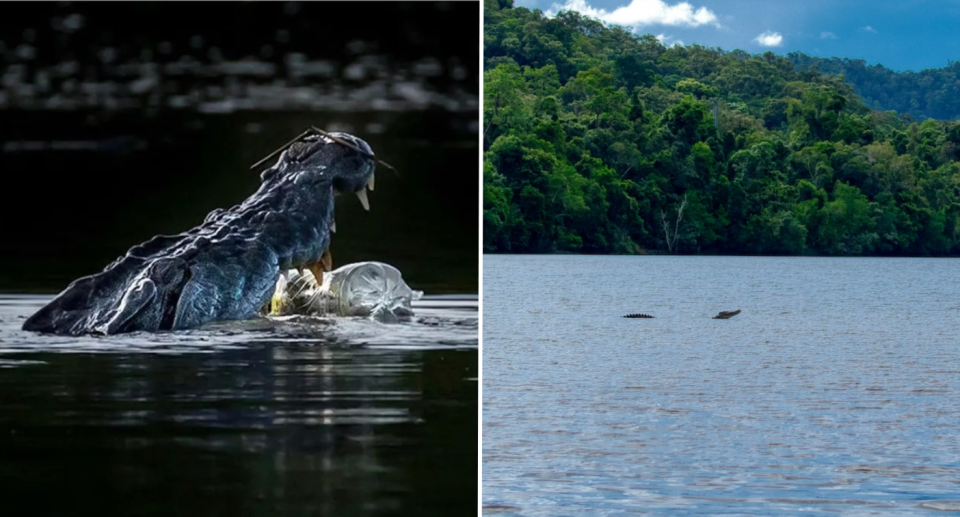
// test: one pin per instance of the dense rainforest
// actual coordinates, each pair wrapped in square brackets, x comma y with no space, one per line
[597,140]
[930,93]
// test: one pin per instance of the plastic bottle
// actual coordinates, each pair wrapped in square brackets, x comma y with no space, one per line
[371,289]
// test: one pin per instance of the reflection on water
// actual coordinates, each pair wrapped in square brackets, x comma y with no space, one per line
[439,322]
[255,418]
[833,391]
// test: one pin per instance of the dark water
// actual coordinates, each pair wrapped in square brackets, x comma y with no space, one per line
[121,122]
[835,390]
[299,417]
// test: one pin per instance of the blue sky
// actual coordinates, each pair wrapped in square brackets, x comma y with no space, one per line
[902,35]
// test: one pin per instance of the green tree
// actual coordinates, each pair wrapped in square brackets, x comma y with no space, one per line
[595,136]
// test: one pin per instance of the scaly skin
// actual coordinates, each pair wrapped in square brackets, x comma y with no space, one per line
[226,268]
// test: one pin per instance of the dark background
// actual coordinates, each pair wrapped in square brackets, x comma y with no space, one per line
[120,121]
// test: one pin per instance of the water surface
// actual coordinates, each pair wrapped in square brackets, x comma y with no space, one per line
[833,391]
[298,416]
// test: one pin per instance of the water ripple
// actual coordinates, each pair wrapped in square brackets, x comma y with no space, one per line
[441,322]
[833,390]
[305,416]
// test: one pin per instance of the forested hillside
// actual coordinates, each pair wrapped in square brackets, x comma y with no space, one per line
[597,140]
[930,93]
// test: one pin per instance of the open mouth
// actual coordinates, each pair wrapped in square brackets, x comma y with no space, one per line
[312,141]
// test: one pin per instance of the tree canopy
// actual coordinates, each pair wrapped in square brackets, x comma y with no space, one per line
[932,93]
[598,140]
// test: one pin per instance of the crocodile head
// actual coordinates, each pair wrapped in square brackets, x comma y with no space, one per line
[350,170]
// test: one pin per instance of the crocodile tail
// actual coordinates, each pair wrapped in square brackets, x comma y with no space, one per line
[638,316]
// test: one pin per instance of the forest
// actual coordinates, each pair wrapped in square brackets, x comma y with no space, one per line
[599,140]
[930,93]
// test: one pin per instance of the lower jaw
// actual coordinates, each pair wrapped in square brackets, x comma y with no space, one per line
[316,267]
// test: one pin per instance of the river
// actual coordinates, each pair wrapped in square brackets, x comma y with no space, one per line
[292,416]
[834,390]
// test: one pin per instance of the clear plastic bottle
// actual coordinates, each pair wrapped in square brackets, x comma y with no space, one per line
[365,289]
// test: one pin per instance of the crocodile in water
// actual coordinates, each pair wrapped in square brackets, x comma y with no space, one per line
[227,267]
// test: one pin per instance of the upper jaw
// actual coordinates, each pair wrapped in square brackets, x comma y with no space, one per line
[363,179]
[361,192]
[348,160]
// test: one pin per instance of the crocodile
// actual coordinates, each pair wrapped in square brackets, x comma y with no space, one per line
[226,268]
[725,315]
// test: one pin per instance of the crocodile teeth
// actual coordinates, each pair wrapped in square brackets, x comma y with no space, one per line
[370,183]
[362,194]
[333,227]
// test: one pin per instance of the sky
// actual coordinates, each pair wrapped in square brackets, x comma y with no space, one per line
[901,35]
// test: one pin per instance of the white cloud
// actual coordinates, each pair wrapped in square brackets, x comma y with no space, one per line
[870,29]
[643,12]
[664,40]
[769,39]
[828,35]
